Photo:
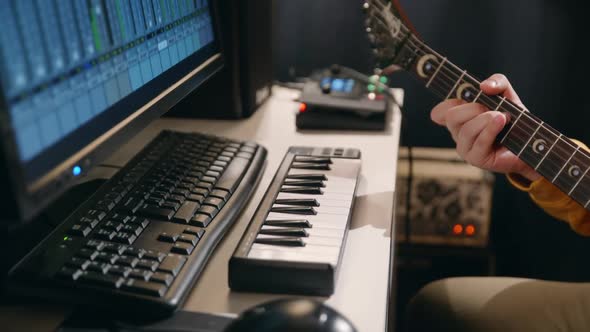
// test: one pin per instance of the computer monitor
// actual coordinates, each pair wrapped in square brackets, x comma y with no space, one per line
[79,78]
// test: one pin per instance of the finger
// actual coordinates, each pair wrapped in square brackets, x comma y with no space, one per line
[439,112]
[484,143]
[459,115]
[498,84]
[470,131]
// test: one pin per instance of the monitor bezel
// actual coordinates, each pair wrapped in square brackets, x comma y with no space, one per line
[31,197]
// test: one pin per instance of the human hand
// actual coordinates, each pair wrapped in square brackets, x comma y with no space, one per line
[474,129]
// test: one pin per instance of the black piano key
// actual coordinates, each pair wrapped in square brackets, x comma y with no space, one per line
[304,183]
[303,190]
[307,176]
[289,231]
[298,201]
[319,166]
[302,223]
[281,241]
[305,210]
[308,159]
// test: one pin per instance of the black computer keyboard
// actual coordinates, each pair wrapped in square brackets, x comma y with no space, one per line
[140,242]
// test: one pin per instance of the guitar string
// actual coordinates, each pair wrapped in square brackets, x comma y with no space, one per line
[557,148]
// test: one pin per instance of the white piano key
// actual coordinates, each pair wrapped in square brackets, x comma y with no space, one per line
[311,249]
[292,257]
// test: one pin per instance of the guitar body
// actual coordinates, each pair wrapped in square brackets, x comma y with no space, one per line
[557,158]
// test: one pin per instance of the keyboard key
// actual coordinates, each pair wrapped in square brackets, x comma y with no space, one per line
[80,230]
[215,202]
[134,252]
[154,255]
[143,287]
[156,212]
[201,220]
[168,237]
[105,234]
[120,271]
[195,231]
[127,261]
[114,248]
[186,212]
[106,257]
[98,267]
[172,264]
[147,264]
[182,248]
[208,210]
[132,229]
[69,273]
[95,245]
[190,239]
[95,214]
[140,274]
[124,238]
[78,263]
[85,221]
[101,279]
[220,194]
[87,253]
[162,278]
[232,174]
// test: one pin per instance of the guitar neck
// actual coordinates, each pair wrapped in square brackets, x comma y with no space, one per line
[557,158]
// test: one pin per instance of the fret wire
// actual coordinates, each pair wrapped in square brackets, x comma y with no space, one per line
[456,83]
[510,129]
[436,72]
[562,167]
[478,95]
[548,151]
[500,104]
[578,182]
[530,138]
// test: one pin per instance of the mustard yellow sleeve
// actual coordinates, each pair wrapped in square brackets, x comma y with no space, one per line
[555,202]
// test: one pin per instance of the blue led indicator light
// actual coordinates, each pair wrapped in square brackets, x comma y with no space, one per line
[76,170]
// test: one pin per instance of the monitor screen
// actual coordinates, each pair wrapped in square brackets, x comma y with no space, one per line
[74,71]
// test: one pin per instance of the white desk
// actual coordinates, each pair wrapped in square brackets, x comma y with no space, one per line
[362,289]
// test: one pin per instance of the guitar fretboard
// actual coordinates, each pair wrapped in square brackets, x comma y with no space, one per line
[556,157]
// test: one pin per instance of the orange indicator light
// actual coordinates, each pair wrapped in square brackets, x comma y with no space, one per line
[302,107]
[457,229]
[470,230]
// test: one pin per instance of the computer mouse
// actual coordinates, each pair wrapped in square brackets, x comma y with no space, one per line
[291,315]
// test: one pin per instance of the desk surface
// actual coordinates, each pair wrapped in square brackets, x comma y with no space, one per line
[363,283]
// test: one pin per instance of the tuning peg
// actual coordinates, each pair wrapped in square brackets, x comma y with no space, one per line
[366,6]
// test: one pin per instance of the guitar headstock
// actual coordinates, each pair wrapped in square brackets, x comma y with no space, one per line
[387,34]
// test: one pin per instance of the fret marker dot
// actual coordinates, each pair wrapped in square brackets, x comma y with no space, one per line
[539,145]
[575,171]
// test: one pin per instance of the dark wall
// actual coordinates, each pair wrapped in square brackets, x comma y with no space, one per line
[536,43]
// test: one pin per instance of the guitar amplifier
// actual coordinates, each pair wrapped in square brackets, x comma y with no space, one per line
[449,203]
